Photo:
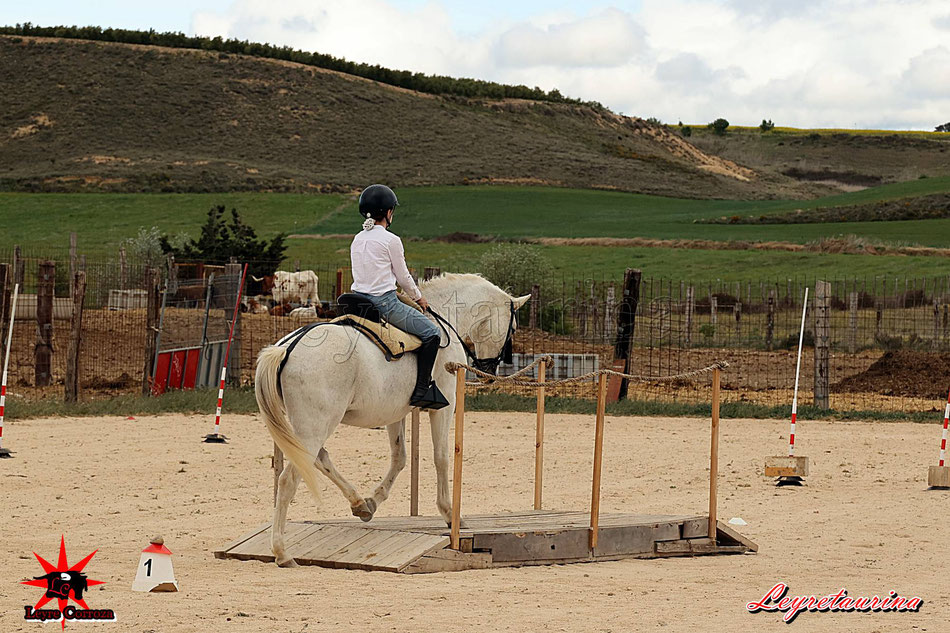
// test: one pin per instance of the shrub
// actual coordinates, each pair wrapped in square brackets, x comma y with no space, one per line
[943,128]
[146,246]
[708,330]
[719,126]
[766,126]
[514,266]
[686,131]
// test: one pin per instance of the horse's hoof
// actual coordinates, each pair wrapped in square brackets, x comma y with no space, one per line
[365,510]
[288,563]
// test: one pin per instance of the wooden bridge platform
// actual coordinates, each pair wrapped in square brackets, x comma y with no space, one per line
[414,545]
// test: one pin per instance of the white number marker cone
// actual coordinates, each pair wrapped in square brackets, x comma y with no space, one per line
[155,571]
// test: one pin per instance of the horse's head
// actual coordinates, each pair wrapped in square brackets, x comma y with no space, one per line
[494,328]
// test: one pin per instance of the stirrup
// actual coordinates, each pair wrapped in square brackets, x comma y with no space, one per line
[432,399]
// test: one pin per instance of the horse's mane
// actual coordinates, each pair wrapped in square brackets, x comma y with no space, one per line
[446,279]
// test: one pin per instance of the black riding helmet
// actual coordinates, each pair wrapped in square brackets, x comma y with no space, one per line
[376,200]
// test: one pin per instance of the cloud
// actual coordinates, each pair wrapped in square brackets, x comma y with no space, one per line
[610,38]
[809,63]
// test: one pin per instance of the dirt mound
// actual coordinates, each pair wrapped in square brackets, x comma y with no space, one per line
[903,373]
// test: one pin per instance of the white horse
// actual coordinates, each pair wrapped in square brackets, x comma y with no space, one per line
[337,375]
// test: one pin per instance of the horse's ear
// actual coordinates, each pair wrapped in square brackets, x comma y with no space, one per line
[520,301]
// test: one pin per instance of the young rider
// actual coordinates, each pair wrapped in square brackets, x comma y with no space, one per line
[378,262]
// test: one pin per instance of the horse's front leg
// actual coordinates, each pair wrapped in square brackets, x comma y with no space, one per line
[439,423]
[286,487]
[397,448]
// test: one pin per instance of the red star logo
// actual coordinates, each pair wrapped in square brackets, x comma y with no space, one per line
[59,588]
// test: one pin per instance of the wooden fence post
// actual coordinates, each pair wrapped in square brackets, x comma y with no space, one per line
[609,307]
[19,270]
[690,309]
[75,337]
[539,440]
[852,322]
[935,343]
[713,308]
[431,271]
[712,531]
[152,314]
[533,307]
[73,260]
[123,270]
[43,351]
[414,465]
[626,324]
[738,311]
[770,321]
[822,336]
[233,271]
[598,462]
[6,284]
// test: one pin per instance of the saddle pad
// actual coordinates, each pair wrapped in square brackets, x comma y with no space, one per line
[392,341]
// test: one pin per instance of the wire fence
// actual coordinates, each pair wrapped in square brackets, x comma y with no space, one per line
[887,339]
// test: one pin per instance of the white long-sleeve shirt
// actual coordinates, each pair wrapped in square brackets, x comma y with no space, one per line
[378,261]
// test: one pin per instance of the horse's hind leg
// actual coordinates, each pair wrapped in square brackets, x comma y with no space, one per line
[286,487]
[363,508]
[397,447]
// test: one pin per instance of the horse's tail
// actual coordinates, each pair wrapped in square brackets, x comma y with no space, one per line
[271,404]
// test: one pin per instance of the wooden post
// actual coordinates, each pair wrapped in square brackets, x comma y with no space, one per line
[878,317]
[173,273]
[5,284]
[935,343]
[714,456]
[737,309]
[598,460]
[414,466]
[713,309]
[233,270]
[153,307]
[277,463]
[690,310]
[297,265]
[533,307]
[822,336]
[123,270]
[852,322]
[770,321]
[19,270]
[75,337]
[431,271]
[626,324]
[539,439]
[609,307]
[43,351]
[339,283]
[73,258]
[457,474]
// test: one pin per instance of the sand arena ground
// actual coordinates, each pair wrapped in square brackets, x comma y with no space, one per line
[865,522]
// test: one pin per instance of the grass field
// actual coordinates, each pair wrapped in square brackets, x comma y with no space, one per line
[42,222]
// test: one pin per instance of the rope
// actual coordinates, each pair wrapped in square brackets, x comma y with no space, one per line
[513,379]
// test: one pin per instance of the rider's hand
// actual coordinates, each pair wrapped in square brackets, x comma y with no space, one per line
[423,303]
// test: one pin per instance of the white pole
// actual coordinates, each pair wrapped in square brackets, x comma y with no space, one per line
[6,363]
[798,369]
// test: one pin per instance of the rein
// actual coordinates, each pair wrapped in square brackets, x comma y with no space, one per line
[492,362]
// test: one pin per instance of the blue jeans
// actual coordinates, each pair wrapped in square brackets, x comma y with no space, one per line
[402,316]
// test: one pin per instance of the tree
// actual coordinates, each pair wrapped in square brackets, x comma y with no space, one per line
[765,126]
[719,126]
[943,128]
[686,131]
[222,239]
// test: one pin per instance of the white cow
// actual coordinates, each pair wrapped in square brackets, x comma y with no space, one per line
[299,287]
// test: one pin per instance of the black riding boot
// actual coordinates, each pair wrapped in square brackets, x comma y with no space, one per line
[426,395]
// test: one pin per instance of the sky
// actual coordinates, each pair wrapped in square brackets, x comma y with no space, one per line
[803,63]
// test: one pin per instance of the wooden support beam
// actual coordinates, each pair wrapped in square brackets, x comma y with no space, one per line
[626,324]
[598,461]
[457,474]
[539,440]
[43,352]
[414,465]
[714,455]
[78,293]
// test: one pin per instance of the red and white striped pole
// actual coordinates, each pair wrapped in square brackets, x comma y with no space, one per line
[798,369]
[943,440]
[4,452]
[216,437]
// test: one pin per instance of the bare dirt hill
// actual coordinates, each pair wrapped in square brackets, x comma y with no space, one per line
[79,115]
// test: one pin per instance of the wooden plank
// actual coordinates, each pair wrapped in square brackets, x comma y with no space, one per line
[695,528]
[726,533]
[255,548]
[696,547]
[221,551]
[324,542]
[521,546]
[448,560]
[421,544]
[367,547]
[938,476]
[615,541]
[786,466]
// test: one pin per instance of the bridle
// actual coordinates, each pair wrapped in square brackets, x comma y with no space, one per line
[490,364]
